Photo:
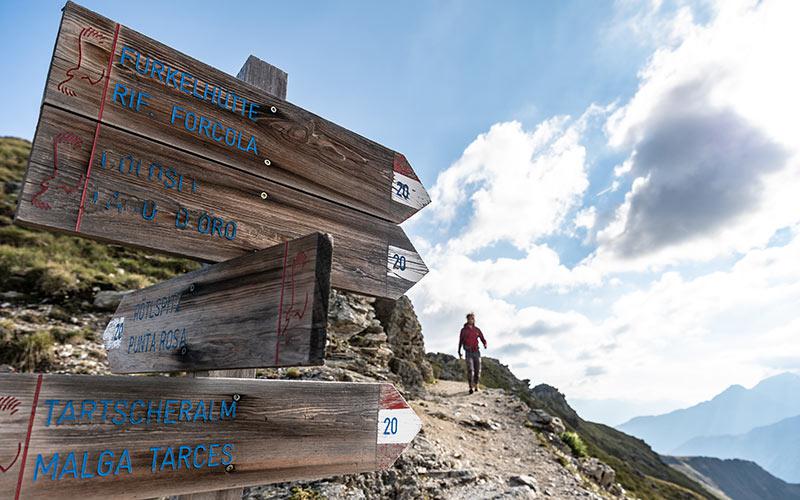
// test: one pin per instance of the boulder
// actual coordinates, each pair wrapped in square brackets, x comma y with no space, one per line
[524,480]
[597,471]
[349,313]
[543,421]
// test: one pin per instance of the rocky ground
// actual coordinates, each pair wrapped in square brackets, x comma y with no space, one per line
[479,446]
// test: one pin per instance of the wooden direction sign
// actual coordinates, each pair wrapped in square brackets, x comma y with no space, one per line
[265,309]
[68,436]
[143,193]
[112,74]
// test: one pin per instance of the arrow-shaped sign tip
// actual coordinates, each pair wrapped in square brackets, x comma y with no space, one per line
[397,426]
[406,186]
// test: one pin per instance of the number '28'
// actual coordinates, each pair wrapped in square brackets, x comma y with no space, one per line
[402,190]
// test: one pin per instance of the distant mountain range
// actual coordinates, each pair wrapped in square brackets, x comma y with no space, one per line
[775,447]
[734,479]
[734,411]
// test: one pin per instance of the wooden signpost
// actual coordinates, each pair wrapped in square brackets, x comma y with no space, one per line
[265,309]
[145,194]
[112,74]
[141,145]
[67,436]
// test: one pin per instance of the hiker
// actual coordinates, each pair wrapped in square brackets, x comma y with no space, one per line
[469,340]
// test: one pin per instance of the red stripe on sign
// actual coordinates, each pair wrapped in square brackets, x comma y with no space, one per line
[401,166]
[391,398]
[97,129]
[280,304]
[387,454]
[28,437]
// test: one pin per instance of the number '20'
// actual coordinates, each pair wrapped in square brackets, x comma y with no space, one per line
[391,426]
[399,262]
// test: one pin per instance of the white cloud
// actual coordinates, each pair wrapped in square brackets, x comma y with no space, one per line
[586,218]
[686,339]
[518,186]
[713,149]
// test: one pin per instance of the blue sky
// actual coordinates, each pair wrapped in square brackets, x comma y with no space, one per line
[614,183]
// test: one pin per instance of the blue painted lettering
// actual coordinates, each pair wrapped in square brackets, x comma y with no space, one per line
[124,463]
[69,467]
[227,410]
[253,112]
[184,452]
[84,473]
[67,413]
[227,452]
[126,54]
[169,459]
[153,210]
[197,454]
[104,464]
[122,415]
[155,451]
[212,455]
[157,69]
[120,93]
[136,403]
[40,465]
[50,404]
[168,410]
[87,414]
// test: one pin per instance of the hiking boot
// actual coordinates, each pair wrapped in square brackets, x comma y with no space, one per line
[476,388]
[470,390]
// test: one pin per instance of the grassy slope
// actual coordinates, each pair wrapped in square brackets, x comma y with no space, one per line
[64,271]
[638,468]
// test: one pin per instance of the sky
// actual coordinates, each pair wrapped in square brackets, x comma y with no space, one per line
[614,184]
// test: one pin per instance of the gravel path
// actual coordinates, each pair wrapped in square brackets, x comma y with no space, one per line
[485,432]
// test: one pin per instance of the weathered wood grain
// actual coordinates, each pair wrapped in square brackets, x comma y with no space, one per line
[291,145]
[264,76]
[145,194]
[265,309]
[279,431]
[273,81]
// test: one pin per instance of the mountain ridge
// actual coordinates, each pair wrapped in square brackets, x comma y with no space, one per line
[733,411]
[775,447]
[735,478]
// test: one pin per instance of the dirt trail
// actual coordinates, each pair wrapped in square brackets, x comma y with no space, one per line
[484,436]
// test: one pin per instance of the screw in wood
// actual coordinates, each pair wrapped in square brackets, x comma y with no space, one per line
[267,162]
[273,109]
[191,288]
[229,468]
[264,195]
[236,397]
[184,350]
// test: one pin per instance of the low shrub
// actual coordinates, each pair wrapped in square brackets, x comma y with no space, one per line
[575,443]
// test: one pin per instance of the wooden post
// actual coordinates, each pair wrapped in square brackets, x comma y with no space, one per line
[273,80]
